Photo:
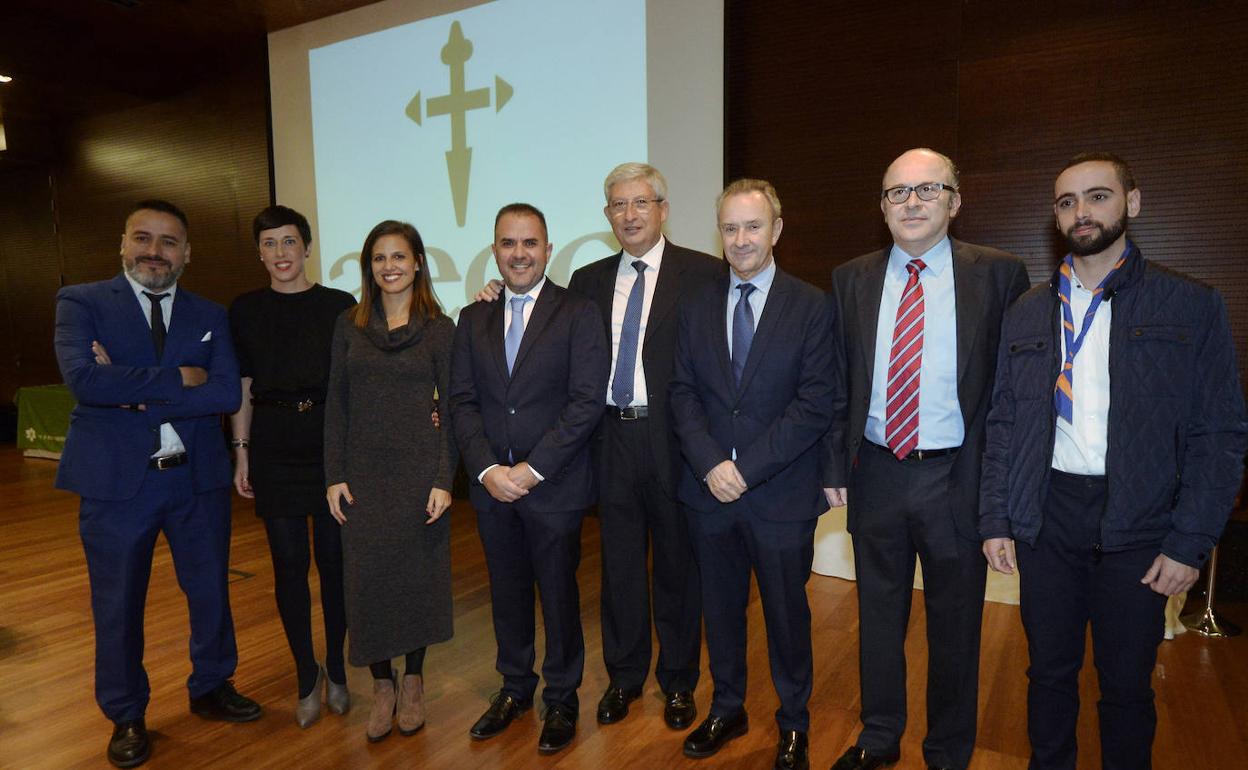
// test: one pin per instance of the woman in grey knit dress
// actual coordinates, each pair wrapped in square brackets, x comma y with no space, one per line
[389,470]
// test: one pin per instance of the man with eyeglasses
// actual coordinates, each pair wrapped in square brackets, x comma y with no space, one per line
[637,454]
[1107,482]
[918,324]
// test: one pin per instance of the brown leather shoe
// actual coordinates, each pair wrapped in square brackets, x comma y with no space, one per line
[381,717]
[411,714]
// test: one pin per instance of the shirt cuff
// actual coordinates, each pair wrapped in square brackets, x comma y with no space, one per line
[488,468]
[539,476]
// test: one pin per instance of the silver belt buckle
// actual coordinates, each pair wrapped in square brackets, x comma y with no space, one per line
[304,405]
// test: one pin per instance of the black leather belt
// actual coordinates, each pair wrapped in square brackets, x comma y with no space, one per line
[167,462]
[918,454]
[299,406]
[628,412]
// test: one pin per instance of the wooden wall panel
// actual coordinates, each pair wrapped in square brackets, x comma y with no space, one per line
[205,150]
[820,97]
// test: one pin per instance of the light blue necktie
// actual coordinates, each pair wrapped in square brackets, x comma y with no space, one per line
[626,359]
[742,330]
[515,332]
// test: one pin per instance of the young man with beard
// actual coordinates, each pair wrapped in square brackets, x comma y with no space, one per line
[152,368]
[1115,448]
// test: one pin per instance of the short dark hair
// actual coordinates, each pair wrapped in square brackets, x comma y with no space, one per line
[164,207]
[1125,176]
[522,209]
[274,217]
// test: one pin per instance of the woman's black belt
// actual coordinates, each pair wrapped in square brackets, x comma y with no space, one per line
[299,406]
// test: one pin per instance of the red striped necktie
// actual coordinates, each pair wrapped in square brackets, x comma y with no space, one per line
[901,414]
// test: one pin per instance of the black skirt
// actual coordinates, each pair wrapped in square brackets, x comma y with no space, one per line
[287,461]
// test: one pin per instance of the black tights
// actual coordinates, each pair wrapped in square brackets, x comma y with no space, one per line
[413,662]
[288,545]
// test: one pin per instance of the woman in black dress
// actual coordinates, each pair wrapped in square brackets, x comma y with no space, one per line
[389,470]
[282,335]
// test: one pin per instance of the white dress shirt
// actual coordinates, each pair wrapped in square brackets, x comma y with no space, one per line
[170,441]
[1079,446]
[625,278]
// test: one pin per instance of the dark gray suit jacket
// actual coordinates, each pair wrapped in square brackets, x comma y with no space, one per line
[681,272]
[986,281]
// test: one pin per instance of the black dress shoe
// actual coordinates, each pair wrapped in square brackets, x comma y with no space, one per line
[614,704]
[503,709]
[794,751]
[129,746]
[680,710]
[225,704]
[858,758]
[714,732]
[559,730]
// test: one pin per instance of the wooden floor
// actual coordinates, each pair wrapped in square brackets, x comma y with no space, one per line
[48,717]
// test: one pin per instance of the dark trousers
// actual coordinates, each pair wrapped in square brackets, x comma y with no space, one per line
[118,539]
[900,511]
[638,515]
[532,554]
[292,558]
[1065,584]
[729,541]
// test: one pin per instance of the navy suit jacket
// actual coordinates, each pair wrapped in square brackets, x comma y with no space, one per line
[776,417]
[545,410]
[108,448]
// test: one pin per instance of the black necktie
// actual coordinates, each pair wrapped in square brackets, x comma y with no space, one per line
[158,323]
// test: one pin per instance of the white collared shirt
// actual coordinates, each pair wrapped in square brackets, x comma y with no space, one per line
[170,441]
[625,278]
[1079,447]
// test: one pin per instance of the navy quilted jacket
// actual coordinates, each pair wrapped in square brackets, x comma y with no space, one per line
[1177,429]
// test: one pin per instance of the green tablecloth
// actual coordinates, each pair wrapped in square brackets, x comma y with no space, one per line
[43,419]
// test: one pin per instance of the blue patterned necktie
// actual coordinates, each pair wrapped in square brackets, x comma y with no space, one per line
[626,358]
[515,332]
[1064,390]
[742,330]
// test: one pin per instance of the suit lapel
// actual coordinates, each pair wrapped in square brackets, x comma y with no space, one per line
[543,310]
[774,308]
[867,294]
[666,291]
[719,332]
[968,291]
[495,333]
[132,322]
[184,328]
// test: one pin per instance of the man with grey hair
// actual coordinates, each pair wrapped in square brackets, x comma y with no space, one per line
[637,454]
[918,326]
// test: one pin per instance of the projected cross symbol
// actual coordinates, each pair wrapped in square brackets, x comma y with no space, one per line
[457,103]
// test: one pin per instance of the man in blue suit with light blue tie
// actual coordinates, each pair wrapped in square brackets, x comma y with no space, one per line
[753,391]
[152,369]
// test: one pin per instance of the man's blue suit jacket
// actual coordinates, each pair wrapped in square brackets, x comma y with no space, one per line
[778,414]
[108,448]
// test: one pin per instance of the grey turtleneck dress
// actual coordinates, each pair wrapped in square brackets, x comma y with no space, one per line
[380,441]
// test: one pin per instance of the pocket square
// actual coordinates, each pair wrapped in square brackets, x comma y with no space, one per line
[207,336]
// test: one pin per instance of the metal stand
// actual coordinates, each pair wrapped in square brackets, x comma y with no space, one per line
[1207,622]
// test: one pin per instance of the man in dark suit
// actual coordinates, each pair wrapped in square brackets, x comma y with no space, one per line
[636,452]
[527,378]
[918,325]
[753,392]
[152,368]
